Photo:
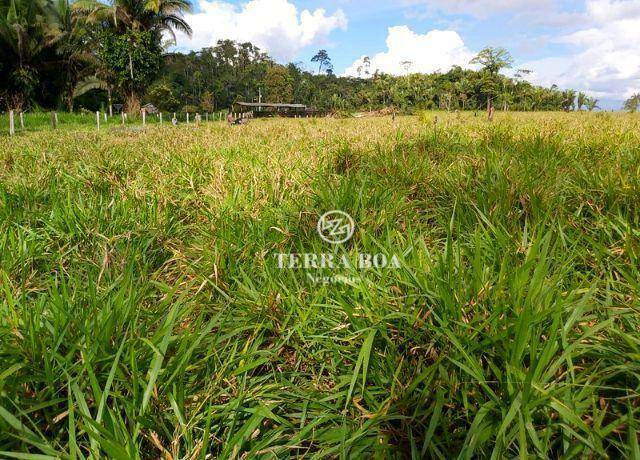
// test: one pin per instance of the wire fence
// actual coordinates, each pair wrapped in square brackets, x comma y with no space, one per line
[14,123]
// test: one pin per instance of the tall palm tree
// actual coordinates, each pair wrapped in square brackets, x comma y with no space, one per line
[73,46]
[581,101]
[139,15]
[568,101]
[124,16]
[25,32]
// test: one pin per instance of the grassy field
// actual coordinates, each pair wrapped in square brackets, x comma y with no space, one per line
[143,313]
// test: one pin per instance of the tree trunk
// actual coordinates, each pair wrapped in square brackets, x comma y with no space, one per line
[70,100]
[489,109]
[132,103]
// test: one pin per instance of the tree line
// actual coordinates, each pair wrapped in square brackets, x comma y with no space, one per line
[86,53]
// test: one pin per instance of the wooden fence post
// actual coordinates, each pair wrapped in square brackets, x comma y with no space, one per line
[21,120]
[187,117]
[12,128]
[98,119]
[160,118]
[54,120]
[144,117]
[122,115]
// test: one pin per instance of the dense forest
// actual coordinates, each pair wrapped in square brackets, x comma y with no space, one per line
[221,75]
[85,54]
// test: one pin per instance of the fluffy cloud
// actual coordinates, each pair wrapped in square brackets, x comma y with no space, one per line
[273,25]
[603,58]
[606,10]
[484,8]
[435,50]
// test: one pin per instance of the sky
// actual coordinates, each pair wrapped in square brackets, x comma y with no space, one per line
[587,45]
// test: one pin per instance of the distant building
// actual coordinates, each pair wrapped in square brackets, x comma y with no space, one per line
[150,108]
[267,109]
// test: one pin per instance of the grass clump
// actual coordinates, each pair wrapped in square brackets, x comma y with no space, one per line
[143,314]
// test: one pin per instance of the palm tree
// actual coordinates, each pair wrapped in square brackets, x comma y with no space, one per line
[125,16]
[568,101]
[25,34]
[139,15]
[591,103]
[72,41]
[582,100]
[633,103]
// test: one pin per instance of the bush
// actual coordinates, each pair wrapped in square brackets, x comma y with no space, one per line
[161,95]
[190,109]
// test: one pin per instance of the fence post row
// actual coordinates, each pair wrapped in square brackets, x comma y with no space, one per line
[198,118]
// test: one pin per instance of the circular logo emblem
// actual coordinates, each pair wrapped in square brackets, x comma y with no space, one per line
[336,227]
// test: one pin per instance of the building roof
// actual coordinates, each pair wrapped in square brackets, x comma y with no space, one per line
[270,104]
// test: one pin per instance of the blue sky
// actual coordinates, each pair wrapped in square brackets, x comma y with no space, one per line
[589,45]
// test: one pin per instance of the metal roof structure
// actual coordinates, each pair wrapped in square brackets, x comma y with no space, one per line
[270,104]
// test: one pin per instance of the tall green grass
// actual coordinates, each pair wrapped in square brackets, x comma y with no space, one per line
[143,315]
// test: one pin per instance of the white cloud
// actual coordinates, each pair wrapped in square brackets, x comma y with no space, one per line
[606,10]
[273,25]
[435,50]
[484,8]
[604,58]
